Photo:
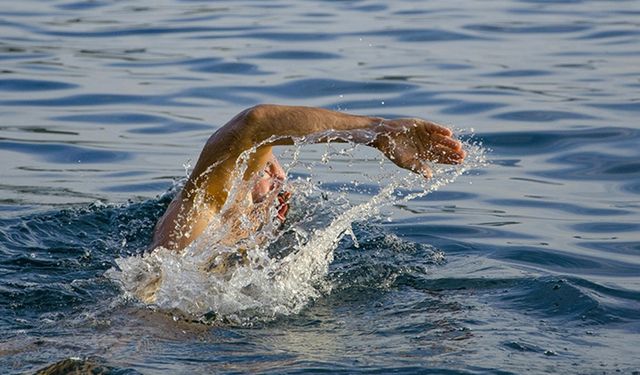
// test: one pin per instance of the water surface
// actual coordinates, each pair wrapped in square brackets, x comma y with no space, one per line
[530,264]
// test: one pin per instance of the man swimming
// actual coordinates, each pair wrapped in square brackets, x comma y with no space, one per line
[250,136]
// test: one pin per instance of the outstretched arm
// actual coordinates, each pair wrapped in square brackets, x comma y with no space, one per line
[407,142]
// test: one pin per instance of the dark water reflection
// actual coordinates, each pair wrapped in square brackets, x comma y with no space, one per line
[103,102]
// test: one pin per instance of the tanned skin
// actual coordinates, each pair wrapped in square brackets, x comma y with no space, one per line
[408,142]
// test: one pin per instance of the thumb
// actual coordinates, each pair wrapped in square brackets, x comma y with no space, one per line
[422,168]
[426,171]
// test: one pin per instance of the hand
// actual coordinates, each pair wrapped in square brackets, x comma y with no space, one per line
[410,142]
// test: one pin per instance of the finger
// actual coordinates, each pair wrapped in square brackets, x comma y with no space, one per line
[435,146]
[282,212]
[429,140]
[284,196]
[443,154]
[447,141]
[420,167]
[432,127]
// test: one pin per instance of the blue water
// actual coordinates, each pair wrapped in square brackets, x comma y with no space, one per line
[104,103]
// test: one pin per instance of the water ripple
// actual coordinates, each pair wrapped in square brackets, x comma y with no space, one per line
[275,36]
[463,107]
[65,153]
[567,300]
[309,88]
[90,100]
[559,206]
[541,116]
[82,5]
[296,55]
[135,122]
[540,142]
[33,85]
[631,187]
[631,107]
[611,34]
[520,28]
[137,31]
[594,166]
[115,118]
[415,229]
[229,68]
[614,247]
[421,35]
[512,73]
[561,261]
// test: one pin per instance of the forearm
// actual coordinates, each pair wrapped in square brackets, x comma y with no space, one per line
[406,141]
[282,125]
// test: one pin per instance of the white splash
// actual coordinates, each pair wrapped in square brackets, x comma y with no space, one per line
[283,269]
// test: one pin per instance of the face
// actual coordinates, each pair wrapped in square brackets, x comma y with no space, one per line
[270,184]
[271,180]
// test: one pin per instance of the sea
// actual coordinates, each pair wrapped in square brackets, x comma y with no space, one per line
[525,259]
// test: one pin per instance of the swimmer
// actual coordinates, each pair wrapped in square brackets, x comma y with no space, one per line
[407,142]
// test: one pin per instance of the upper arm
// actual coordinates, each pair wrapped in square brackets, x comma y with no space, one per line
[253,132]
[217,167]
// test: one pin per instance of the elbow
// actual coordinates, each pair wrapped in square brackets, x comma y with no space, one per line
[257,113]
[245,127]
